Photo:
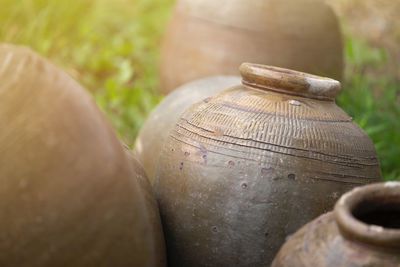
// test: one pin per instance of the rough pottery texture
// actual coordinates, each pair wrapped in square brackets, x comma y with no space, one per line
[208,37]
[246,168]
[164,117]
[70,194]
[362,231]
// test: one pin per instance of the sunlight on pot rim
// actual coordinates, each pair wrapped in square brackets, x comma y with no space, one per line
[289,81]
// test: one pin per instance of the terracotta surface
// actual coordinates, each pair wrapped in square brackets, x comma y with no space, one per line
[70,195]
[208,37]
[164,117]
[362,231]
[243,170]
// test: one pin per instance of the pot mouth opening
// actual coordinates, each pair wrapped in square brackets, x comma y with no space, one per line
[371,214]
[289,81]
[383,212]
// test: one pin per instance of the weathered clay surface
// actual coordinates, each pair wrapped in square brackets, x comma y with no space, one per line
[243,170]
[340,239]
[164,117]
[69,194]
[208,37]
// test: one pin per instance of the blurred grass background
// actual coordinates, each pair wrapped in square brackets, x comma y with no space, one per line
[112,46]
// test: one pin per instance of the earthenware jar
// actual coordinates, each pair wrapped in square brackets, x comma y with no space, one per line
[208,37]
[164,117]
[363,230]
[70,194]
[249,166]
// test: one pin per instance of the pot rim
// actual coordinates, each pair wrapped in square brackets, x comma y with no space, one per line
[354,229]
[289,81]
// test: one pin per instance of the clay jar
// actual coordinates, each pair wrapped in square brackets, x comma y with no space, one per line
[363,230]
[208,37]
[70,194]
[164,117]
[246,168]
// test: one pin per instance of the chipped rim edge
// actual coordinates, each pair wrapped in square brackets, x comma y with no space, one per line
[289,81]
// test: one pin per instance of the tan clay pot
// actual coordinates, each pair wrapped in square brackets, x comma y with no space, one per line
[164,117]
[246,168]
[70,195]
[362,231]
[208,37]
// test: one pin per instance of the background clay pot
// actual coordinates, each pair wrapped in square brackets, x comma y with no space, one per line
[164,117]
[248,167]
[208,37]
[69,194]
[363,230]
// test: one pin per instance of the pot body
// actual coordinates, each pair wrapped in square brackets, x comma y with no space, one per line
[214,37]
[248,167]
[163,118]
[334,240]
[70,194]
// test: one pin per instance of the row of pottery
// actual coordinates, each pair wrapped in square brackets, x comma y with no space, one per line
[237,167]
[70,194]
[208,37]
[234,171]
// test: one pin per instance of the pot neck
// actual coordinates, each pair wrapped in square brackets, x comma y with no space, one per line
[371,215]
[289,82]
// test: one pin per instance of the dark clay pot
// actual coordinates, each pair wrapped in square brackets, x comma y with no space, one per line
[164,117]
[208,37]
[362,231]
[70,194]
[246,168]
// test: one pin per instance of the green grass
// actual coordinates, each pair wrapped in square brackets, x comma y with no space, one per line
[372,98]
[112,46]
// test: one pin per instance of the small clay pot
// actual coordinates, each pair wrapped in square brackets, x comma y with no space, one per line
[246,168]
[362,231]
[164,117]
[70,194]
[209,37]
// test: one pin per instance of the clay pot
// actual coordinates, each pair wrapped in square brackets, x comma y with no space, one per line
[164,117]
[246,168]
[363,230]
[208,37]
[70,195]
